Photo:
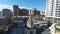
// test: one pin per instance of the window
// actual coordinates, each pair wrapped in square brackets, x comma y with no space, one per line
[31,32]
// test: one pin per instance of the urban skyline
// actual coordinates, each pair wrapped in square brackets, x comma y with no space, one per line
[30,17]
[41,5]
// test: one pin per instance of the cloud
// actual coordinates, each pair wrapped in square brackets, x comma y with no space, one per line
[23,7]
[5,6]
[9,7]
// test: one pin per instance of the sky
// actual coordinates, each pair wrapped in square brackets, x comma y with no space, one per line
[39,4]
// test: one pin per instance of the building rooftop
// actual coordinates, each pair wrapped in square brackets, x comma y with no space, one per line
[39,22]
[2,17]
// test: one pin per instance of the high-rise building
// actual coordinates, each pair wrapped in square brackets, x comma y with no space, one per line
[7,12]
[16,10]
[25,12]
[36,12]
[53,10]
[20,12]
[49,8]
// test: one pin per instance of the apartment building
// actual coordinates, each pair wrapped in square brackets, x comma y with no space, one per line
[53,10]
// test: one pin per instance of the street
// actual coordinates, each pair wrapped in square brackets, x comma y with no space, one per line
[45,32]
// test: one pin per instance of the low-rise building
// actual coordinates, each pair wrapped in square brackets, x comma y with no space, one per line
[3,20]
